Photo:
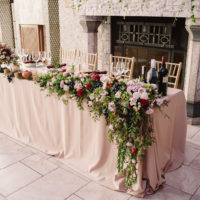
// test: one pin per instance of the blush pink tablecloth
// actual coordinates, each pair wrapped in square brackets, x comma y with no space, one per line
[45,123]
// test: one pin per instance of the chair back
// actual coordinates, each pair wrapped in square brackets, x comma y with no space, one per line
[87,61]
[174,70]
[125,63]
[68,55]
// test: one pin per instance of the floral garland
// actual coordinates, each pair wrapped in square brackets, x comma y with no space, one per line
[126,105]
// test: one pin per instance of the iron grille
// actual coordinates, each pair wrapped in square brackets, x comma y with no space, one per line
[145,34]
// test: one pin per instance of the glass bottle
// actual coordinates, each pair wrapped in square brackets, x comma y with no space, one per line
[163,78]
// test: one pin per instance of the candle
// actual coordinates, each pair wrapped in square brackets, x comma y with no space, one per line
[143,69]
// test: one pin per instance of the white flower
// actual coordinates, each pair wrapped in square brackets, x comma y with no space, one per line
[144,95]
[111,127]
[91,96]
[141,90]
[149,111]
[159,101]
[133,101]
[129,144]
[118,94]
[103,93]
[66,88]
[90,103]
[136,95]
[104,85]
[133,161]
[111,106]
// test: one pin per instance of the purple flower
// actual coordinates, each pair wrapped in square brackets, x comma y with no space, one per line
[111,127]
[159,101]
[129,144]
[2,57]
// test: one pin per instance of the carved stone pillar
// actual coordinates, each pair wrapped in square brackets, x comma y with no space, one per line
[192,75]
[6,24]
[90,26]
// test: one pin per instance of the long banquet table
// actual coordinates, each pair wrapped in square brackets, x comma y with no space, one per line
[70,134]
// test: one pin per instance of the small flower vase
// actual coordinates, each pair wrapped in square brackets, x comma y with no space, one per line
[14,68]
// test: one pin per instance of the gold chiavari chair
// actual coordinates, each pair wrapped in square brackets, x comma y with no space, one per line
[68,56]
[125,63]
[87,61]
[174,72]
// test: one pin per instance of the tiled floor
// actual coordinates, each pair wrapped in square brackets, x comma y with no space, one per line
[27,174]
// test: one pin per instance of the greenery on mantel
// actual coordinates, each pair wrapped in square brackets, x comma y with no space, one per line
[192,8]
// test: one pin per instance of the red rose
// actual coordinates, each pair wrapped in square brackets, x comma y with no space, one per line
[88,86]
[108,85]
[64,70]
[144,102]
[130,107]
[95,76]
[80,92]
[134,150]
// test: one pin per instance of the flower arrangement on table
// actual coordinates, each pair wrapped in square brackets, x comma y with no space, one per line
[126,105]
[7,56]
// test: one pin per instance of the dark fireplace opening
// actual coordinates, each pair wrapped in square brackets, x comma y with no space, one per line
[150,37]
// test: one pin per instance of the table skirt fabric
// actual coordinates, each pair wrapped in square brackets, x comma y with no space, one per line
[70,134]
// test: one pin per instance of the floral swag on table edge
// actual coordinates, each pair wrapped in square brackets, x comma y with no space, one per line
[127,106]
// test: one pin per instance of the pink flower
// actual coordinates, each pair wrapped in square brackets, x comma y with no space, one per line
[62,83]
[132,101]
[159,101]
[78,85]
[64,73]
[149,111]
[141,90]
[55,73]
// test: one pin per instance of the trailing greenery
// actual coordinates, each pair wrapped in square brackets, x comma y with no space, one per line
[126,105]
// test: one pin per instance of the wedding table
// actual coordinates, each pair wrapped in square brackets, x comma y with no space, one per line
[70,134]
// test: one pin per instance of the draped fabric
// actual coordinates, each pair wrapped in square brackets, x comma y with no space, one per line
[70,134]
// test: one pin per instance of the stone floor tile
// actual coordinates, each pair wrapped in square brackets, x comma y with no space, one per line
[58,162]
[39,153]
[196,196]
[190,154]
[11,153]
[196,163]
[94,191]
[196,138]
[184,178]
[166,193]
[39,164]
[57,185]
[192,130]
[74,197]
[14,177]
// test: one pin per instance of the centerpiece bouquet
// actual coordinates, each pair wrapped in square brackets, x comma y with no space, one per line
[7,56]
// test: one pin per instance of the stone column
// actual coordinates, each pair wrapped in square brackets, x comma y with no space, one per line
[6,24]
[54,29]
[192,75]
[90,26]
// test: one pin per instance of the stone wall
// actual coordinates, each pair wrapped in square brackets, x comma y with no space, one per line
[71,32]
[30,12]
[165,8]
[6,26]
